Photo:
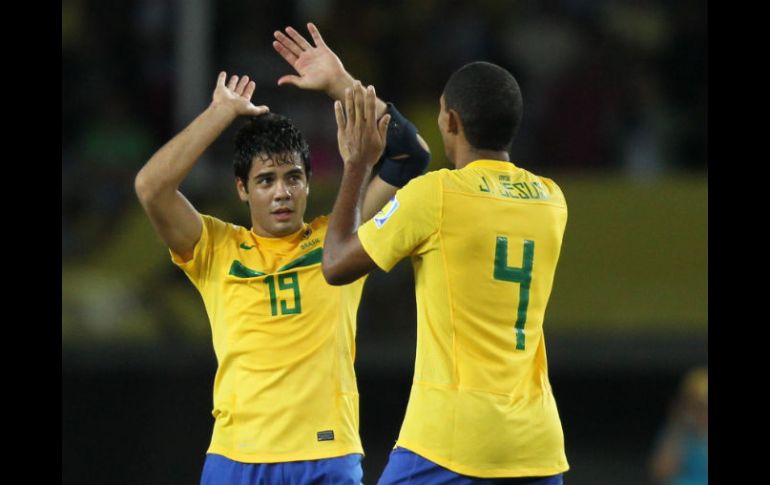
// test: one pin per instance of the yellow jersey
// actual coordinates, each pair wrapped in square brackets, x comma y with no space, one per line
[285,387]
[484,242]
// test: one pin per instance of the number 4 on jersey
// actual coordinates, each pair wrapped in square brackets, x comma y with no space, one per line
[522,275]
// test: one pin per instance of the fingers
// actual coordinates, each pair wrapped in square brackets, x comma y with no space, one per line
[369,105]
[360,106]
[301,42]
[241,86]
[357,126]
[383,127]
[339,115]
[249,91]
[284,52]
[349,110]
[319,41]
[233,82]
[358,95]
[287,43]
[258,110]
[290,79]
[242,83]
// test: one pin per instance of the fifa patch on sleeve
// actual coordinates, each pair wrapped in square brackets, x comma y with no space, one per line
[382,217]
[325,435]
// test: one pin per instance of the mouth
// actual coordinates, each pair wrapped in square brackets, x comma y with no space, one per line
[282,214]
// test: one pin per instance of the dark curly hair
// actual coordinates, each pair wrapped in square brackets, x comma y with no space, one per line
[269,136]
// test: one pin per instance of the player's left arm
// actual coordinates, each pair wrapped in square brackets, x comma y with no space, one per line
[361,137]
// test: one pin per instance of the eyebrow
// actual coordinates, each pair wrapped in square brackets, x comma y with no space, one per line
[295,171]
[272,173]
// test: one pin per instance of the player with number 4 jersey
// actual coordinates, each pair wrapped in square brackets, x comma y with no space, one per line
[484,240]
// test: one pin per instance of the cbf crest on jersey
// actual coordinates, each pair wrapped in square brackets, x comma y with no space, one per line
[382,217]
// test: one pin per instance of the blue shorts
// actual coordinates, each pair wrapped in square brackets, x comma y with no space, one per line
[407,468]
[345,470]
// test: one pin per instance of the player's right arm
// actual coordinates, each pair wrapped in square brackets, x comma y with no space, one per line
[174,218]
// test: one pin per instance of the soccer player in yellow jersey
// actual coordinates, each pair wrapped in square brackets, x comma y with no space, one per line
[484,240]
[285,395]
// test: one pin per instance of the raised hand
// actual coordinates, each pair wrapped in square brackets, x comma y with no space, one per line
[236,95]
[318,66]
[360,136]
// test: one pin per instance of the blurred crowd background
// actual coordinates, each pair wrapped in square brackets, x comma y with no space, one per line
[615,110]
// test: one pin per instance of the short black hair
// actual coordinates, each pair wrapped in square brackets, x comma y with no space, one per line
[268,136]
[488,100]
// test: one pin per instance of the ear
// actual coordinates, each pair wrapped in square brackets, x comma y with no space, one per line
[453,122]
[243,194]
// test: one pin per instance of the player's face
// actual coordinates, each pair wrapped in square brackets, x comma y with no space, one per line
[277,195]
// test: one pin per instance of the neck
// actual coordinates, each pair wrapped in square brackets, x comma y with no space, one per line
[470,154]
[258,231]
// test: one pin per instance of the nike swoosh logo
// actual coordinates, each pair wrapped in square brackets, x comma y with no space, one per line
[244,246]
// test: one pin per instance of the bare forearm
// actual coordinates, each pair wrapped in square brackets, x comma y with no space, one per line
[346,215]
[343,81]
[378,193]
[167,168]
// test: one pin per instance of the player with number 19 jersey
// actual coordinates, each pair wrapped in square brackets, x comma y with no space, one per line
[484,242]
[285,387]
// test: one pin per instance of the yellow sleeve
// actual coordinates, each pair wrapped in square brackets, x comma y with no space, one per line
[405,223]
[199,266]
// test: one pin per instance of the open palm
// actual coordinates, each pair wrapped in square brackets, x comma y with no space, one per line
[318,67]
[236,95]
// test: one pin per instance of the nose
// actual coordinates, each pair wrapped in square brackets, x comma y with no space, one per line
[282,191]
